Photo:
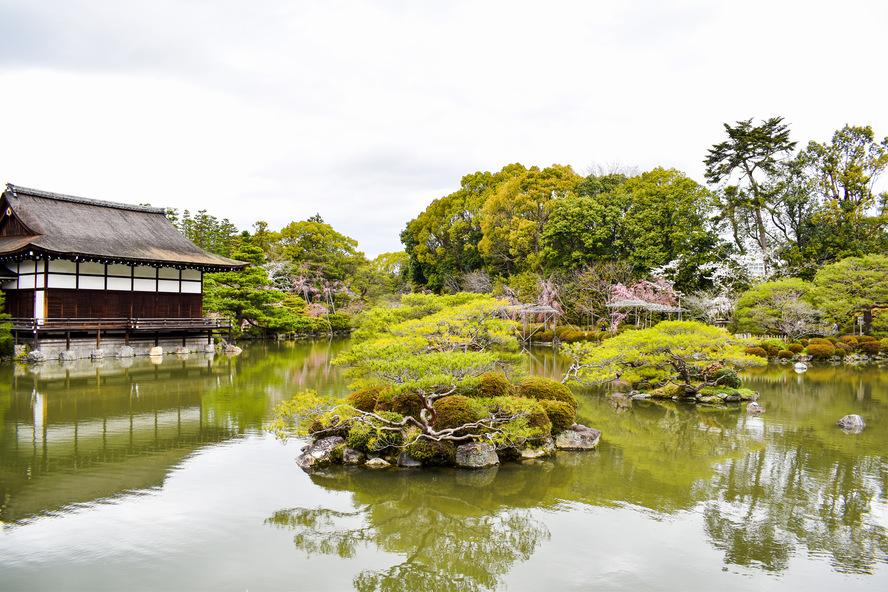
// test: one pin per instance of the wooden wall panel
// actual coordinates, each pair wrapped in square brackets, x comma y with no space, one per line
[19,303]
[94,304]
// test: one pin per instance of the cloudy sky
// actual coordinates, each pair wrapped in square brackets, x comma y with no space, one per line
[365,112]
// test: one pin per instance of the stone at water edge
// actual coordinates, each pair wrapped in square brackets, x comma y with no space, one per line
[350,456]
[36,356]
[126,352]
[532,453]
[377,463]
[405,460]
[476,455]
[754,408]
[156,351]
[578,437]
[319,452]
[68,356]
[851,424]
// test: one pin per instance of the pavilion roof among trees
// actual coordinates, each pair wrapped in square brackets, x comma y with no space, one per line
[35,221]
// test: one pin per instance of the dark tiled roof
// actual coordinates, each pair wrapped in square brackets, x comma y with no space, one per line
[67,225]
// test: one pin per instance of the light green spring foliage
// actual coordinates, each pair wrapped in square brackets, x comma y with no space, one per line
[651,353]
[850,285]
[430,343]
[292,418]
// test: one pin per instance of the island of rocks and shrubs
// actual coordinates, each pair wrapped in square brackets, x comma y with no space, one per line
[437,382]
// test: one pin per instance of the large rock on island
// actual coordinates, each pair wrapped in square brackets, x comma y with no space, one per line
[476,455]
[318,454]
[578,437]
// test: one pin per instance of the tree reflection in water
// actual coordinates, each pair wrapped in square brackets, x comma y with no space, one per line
[450,526]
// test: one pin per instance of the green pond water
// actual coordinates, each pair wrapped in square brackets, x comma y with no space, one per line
[142,476]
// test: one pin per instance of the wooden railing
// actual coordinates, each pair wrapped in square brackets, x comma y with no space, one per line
[128,324]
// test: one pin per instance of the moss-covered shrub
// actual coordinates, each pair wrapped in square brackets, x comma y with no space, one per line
[730,380]
[756,351]
[832,340]
[403,403]
[884,344]
[336,453]
[560,414]
[432,453]
[366,434]
[804,342]
[537,387]
[456,410]
[773,351]
[870,348]
[820,351]
[849,339]
[785,354]
[865,339]
[365,398]
[543,336]
[530,421]
[841,352]
[818,341]
[844,346]
[769,344]
[494,384]
[796,348]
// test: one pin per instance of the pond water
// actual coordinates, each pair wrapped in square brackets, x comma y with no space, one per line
[142,476]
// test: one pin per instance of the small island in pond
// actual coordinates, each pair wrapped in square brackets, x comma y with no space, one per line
[438,382]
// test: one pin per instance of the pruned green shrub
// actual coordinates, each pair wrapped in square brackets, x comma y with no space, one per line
[844,346]
[804,342]
[365,398]
[368,434]
[818,341]
[560,414]
[728,378]
[849,339]
[865,339]
[456,410]
[884,344]
[832,340]
[795,348]
[841,352]
[494,384]
[773,351]
[870,348]
[785,354]
[543,336]
[769,344]
[407,404]
[756,351]
[537,387]
[819,351]
[433,453]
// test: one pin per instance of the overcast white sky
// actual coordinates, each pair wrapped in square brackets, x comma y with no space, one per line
[365,112]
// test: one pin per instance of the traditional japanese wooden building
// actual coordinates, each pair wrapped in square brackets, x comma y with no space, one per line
[75,268]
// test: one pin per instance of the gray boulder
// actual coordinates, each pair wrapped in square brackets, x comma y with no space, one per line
[126,352]
[36,356]
[851,424]
[476,455]
[578,437]
[754,408]
[405,460]
[67,356]
[350,456]
[318,453]
[97,354]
